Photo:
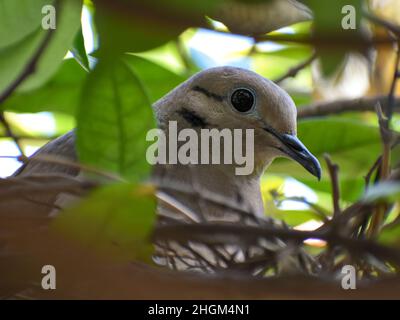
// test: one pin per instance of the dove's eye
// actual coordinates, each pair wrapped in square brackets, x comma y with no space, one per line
[243,100]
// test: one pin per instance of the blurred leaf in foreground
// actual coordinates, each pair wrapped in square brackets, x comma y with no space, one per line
[115,219]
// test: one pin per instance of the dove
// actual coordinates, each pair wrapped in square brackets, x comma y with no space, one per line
[217,98]
[234,98]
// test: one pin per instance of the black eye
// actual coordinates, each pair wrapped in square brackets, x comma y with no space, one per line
[242,100]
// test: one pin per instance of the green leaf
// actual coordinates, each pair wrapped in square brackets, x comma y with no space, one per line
[113,119]
[17,56]
[132,26]
[68,23]
[13,59]
[61,93]
[328,14]
[158,80]
[328,25]
[350,188]
[272,65]
[19,19]
[390,235]
[115,219]
[79,51]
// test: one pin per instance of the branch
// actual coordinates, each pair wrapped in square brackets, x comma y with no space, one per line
[10,134]
[222,232]
[333,172]
[319,211]
[391,97]
[40,138]
[292,72]
[386,136]
[345,105]
[383,23]
[73,164]
[15,187]
[371,171]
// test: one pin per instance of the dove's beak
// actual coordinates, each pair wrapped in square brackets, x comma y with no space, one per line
[296,150]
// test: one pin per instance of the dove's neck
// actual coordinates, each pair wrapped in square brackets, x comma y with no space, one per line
[212,182]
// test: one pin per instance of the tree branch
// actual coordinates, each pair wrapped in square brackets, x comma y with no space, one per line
[292,72]
[333,172]
[383,23]
[391,97]
[222,232]
[10,134]
[345,105]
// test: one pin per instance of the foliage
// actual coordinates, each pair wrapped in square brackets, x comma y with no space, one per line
[108,93]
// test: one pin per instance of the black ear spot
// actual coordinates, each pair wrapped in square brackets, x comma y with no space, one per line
[193,118]
[243,100]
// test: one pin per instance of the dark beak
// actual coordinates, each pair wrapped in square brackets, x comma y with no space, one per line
[295,149]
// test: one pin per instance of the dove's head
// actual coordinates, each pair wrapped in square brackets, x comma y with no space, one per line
[236,98]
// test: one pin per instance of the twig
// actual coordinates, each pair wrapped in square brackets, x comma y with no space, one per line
[333,172]
[391,102]
[386,135]
[35,138]
[217,199]
[292,72]
[345,105]
[331,41]
[380,210]
[73,187]
[51,205]
[65,162]
[383,23]
[319,211]
[228,232]
[370,172]
[384,125]
[10,133]
[252,50]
